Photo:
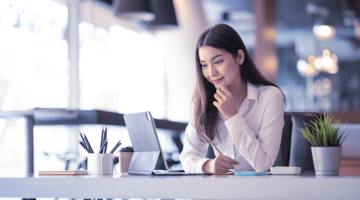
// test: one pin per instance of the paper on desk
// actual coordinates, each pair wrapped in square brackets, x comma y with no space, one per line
[64,172]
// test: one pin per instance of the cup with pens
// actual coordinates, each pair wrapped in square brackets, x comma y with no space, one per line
[99,163]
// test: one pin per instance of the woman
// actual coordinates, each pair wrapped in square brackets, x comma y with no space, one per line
[234,105]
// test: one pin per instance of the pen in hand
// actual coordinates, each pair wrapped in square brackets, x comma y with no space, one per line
[212,144]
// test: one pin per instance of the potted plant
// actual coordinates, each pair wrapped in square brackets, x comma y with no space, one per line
[326,137]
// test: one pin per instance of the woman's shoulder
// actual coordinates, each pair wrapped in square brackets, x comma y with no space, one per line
[268,91]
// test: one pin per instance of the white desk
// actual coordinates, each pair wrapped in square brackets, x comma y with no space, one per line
[190,187]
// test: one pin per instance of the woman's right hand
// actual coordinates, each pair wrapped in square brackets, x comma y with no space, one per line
[221,164]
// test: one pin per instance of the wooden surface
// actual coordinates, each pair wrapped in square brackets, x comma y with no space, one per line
[352,117]
[350,166]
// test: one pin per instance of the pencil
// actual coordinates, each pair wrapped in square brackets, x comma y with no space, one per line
[82,144]
[208,139]
[82,138]
[105,137]
[115,147]
[102,138]
[102,147]
[88,143]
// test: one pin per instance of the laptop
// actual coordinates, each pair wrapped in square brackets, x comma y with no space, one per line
[148,158]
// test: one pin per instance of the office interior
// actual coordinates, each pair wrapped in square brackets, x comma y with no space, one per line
[58,56]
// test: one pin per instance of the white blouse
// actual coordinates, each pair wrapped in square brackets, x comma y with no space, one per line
[251,137]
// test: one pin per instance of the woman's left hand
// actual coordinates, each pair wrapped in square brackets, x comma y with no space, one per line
[225,102]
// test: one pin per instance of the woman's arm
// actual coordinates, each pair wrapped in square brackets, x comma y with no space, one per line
[260,152]
[192,157]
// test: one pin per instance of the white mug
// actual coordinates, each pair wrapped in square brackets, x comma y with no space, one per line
[100,163]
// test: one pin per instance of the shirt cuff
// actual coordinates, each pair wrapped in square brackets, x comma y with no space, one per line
[236,124]
[199,165]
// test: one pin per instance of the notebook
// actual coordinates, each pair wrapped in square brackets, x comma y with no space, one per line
[64,172]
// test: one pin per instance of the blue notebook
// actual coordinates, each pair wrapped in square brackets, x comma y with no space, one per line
[251,173]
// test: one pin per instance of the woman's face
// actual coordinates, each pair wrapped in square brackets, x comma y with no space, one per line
[219,66]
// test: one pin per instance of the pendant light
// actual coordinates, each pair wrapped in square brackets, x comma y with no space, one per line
[165,15]
[138,9]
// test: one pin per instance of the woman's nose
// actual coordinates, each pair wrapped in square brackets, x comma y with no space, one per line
[212,71]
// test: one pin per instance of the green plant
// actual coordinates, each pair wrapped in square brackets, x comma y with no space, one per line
[324,131]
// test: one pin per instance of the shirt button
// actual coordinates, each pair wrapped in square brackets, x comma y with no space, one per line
[229,124]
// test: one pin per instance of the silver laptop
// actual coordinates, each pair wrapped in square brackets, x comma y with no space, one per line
[148,158]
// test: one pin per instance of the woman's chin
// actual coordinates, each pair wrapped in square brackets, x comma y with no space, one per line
[218,86]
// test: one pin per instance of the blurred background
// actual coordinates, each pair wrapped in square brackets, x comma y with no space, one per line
[95,55]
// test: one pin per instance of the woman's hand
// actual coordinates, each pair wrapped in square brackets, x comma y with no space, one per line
[225,102]
[221,164]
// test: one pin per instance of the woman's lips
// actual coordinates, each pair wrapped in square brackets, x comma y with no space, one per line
[217,80]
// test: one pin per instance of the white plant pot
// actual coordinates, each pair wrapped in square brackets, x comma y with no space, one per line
[326,160]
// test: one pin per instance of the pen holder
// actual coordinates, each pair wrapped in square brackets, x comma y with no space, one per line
[100,163]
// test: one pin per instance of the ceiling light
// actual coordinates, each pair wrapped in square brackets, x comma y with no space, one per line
[136,9]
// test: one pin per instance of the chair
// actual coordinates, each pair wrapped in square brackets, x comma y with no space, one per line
[300,152]
[283,155]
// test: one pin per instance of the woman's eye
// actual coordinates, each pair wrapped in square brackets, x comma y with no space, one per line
[203,65]
[218,62]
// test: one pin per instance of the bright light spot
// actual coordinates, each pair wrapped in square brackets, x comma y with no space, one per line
[301,65]
[326,53]
[305,69]
[326,83]
[318,63]
[310,69]
[311,59]
[334,58]
[333,69]
[324,32]
[270,63]
[326,62]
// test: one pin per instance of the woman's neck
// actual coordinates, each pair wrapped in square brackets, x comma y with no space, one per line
[239,91]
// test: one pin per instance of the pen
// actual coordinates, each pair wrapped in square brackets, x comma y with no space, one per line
[208,139]
[88,143]
[115,147]
[82,144]
[102,147]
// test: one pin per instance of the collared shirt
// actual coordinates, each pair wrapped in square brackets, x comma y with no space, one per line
[252,136]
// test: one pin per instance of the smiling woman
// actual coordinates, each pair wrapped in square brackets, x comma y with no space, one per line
[235,103]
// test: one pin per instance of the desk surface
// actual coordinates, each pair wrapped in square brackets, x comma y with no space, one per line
[193,187]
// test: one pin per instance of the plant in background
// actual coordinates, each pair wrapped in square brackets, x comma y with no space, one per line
[324,132]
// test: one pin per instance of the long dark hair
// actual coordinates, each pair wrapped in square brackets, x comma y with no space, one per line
[223,37]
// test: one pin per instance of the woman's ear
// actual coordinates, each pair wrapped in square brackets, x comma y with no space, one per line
[241,57]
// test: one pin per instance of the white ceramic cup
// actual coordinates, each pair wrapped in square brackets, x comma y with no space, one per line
[100,163]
